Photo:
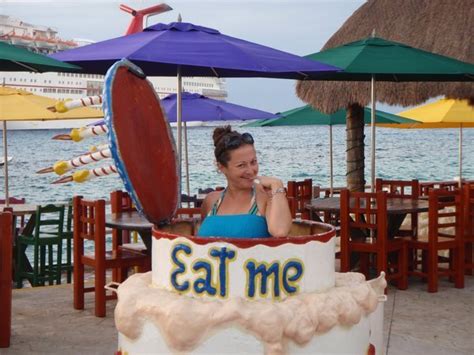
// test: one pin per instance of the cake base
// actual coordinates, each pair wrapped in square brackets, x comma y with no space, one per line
[345,319]
[339,340]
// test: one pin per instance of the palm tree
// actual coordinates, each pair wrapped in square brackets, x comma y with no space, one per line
[437,26]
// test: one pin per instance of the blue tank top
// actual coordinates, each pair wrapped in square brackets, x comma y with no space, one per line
[249,225]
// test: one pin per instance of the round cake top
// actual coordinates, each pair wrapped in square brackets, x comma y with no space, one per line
[302,232]
[141,141]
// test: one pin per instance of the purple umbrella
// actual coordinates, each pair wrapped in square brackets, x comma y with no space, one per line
[198,107]
[183,49]
[190,50]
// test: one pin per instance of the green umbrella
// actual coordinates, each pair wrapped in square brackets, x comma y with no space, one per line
[306,115]
[378,59]
[17,59]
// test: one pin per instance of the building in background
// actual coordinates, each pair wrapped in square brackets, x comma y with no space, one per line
[62,86]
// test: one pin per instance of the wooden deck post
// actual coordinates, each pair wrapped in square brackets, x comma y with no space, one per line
[5,278]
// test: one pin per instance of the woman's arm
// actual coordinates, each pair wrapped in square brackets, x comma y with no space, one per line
[277,211]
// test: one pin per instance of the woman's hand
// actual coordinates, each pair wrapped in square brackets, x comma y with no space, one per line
[269,184]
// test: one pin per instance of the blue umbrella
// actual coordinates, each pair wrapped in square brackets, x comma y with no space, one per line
[184,49]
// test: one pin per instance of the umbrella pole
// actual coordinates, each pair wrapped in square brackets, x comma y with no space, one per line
[460,155]
[186,159]
[5,165]
[178,124]
[372,127]
[331,185]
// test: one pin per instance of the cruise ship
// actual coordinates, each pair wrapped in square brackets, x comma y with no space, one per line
[62,86]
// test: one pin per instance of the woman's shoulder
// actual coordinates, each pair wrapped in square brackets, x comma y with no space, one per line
[210,200]
[212,196]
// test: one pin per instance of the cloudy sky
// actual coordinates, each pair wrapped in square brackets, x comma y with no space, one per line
[298,26]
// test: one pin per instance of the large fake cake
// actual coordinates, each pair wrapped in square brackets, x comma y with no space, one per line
[222,295]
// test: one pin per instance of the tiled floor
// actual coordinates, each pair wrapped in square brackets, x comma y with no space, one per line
[416,322]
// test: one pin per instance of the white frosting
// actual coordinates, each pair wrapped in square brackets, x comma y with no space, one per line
[186,322]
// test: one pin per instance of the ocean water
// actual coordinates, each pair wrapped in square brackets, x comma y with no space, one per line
[285,152]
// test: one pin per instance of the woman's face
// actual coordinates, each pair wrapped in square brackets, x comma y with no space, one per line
[242,168]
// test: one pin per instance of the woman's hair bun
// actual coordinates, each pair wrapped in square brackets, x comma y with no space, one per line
[219,133]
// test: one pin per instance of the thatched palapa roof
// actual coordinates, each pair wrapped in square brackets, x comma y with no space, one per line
[439,26]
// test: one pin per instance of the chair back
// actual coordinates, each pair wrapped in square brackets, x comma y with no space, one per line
[445,215]
[363,216]
[365,211]
[336,191]
[49,220]
[425,187]
[468,200]
[120,201]
[299,193]
[68,219]
[190,212]
[399,188]
[89,223]
[190,201]
[402,189]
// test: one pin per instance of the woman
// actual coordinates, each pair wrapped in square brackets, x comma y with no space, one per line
[251,206]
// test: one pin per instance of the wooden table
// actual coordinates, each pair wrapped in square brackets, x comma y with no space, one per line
[131,221]
[397,209]
[20,209]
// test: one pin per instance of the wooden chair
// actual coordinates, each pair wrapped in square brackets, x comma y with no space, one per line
[45,237]
[299,193]
[364,231]
[120,201]
[16,201]
[402,189]
[468,201]
[445,232]
[190,212]
[190,201]
[89,224]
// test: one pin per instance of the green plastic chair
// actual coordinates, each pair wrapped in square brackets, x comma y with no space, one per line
[47,234]
[67,237]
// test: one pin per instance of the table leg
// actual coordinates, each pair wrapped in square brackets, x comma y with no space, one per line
[146,238]
[394,223]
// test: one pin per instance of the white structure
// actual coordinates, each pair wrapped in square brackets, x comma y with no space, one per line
[61,86]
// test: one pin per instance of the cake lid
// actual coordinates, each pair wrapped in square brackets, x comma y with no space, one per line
[141,141]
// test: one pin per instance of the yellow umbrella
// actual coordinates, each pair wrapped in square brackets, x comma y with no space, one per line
[444,113]
[20,105]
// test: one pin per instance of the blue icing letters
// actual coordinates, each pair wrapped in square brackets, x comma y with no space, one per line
[211,276]
[224,257]
[181,268]
[288,282]
[204,284]
[285,277]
